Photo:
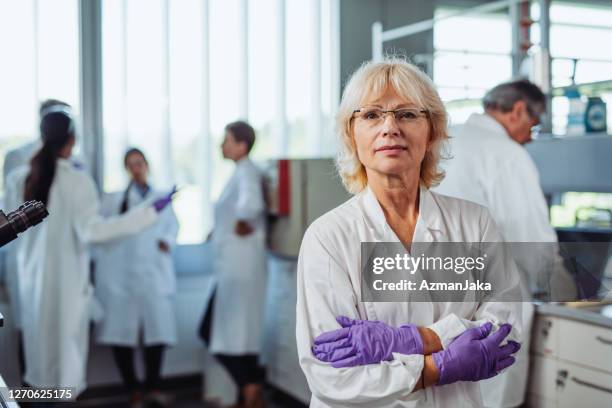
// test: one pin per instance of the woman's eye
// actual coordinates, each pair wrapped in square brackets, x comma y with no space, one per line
[372,115]
[406,115]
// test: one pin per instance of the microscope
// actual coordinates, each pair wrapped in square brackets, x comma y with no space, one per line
[27,215]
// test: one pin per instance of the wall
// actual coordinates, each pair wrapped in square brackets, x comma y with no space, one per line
[357,17]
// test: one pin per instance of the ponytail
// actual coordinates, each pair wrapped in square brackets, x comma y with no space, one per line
[56,129]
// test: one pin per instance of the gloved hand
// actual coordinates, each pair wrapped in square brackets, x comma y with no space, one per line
[162,202]
[473,356]
[361,342]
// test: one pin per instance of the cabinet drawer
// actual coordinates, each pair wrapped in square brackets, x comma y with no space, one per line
[584,388]
[585,344]
[544,335]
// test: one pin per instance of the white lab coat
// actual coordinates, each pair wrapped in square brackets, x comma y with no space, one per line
[489,168]
[135,282]
[240,264]
[53,260]
[329,285]
[14,159]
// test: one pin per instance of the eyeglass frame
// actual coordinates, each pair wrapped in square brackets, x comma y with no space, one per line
[384,112]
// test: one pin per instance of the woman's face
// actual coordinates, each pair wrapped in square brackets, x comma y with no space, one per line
[388,145]
[138,168]
[231,148]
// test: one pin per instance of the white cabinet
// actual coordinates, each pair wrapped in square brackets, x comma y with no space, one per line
[571,364]
[280,348]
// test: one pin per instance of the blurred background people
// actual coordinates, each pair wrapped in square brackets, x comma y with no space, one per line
[136,283]
[233,322]
[53,257]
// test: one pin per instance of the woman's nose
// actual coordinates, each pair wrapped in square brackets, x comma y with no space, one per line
[389,125]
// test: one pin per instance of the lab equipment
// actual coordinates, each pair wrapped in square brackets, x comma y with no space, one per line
[595,115]
[475,355]
[29,214]
[576,113]
[299,191]
[361,342]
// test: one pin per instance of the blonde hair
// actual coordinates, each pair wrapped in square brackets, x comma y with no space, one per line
[370,81]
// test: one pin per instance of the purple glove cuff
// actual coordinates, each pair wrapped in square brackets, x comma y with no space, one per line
[410,341]
[439,362]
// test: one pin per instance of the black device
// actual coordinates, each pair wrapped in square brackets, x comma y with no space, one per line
[27,215]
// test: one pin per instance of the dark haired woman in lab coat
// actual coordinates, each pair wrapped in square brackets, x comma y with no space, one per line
[136,283]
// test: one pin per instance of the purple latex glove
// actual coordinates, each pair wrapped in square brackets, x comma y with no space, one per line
[473,356]
[361,342]
[163,202]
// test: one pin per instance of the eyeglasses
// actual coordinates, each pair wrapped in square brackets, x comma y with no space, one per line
[375,116]
[535,131]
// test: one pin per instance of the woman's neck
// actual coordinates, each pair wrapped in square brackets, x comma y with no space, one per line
[398,195]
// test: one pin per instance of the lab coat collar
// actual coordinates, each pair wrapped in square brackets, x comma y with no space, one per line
[243,161]
[64,163]
[135,195]
[488,123]
[429,222]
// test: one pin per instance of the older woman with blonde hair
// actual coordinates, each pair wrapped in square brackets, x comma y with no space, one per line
[392,126]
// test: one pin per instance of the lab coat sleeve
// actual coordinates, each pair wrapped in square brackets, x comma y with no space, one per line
[91,227]
[250,203]
[324,292]
[501,272]
[527,220]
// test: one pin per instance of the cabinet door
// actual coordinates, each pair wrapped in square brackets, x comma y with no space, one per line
[584,388]
[544,336]
[585,344]
[543,378]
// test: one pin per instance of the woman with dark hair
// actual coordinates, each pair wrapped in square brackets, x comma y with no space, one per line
[232,325]
[53,257]
[135,282]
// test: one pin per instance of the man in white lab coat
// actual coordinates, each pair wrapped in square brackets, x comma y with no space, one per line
[489,166]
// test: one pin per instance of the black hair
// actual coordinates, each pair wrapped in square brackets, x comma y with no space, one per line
[503,97]
[242,132]
[56,130]
[124,203]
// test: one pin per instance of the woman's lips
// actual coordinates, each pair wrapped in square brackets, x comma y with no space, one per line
[390,149]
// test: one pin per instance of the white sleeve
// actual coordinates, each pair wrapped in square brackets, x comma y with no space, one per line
[170,226]
[501,272]
[324,291]
[91,227]
[250,203]
[522,220]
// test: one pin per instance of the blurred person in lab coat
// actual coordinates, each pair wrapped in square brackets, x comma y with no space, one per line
[14,159]
[391,128]
[233,322]
[489,166]
[135,283]
[53,258]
